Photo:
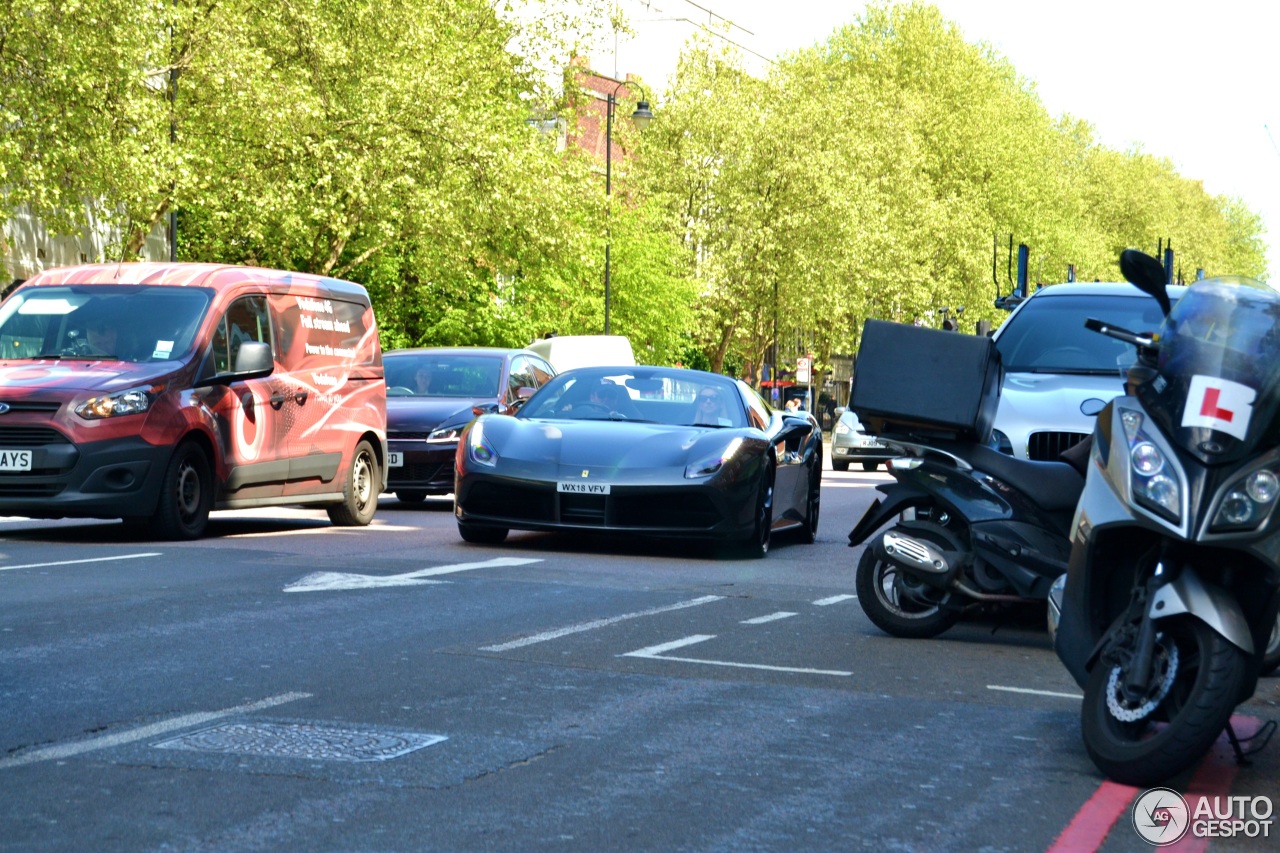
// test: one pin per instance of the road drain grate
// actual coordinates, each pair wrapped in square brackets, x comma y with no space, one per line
[302,740]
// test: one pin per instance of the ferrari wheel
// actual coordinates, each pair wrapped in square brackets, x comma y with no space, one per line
[756,546]
[813,503]
[480,534]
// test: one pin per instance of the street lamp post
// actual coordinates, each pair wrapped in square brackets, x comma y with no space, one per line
[641,117]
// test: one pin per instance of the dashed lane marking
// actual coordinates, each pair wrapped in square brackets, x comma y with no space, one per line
[597,623]
[772,617]
[835,599]
[78,562]
[1035,692]
[657,653]
[68,750]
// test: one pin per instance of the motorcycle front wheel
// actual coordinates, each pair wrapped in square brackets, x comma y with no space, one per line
[1195,682]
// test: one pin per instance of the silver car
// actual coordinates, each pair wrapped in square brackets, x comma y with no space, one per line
[1056,370]
[850,444]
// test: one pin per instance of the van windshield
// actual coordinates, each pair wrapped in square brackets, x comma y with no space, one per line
[120,322]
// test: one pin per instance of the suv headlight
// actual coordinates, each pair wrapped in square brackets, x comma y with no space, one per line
[1247,501]
[134,401]
[1155,485]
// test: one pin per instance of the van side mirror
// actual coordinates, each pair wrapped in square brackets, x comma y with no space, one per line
[254,357]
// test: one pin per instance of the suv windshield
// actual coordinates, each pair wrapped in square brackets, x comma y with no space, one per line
[1048,335]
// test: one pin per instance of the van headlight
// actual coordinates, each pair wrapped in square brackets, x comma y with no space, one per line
[1247,501]
[135,401]
[1155,484]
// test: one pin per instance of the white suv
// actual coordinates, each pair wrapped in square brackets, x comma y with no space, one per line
[1054,366]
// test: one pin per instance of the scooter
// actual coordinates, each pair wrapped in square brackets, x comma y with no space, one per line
[975,527]
[1172,588]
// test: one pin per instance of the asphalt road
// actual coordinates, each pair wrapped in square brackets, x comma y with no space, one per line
[287,685]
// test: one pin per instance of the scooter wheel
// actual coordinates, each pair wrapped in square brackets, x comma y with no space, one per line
[1177,723]
[886,594]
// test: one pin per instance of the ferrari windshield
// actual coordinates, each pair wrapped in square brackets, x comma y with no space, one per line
[652,394]
[124,322]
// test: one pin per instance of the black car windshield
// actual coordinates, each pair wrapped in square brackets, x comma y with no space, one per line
[427,374]
[1048,334]
[125,322]
[652,394]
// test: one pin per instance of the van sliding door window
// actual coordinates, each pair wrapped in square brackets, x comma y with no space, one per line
[247,319]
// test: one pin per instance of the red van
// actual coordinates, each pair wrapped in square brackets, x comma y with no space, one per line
[158,392]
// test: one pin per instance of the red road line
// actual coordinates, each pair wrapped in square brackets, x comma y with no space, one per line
[1214,776]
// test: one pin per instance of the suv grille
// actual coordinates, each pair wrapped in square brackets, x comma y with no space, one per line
[1045,446]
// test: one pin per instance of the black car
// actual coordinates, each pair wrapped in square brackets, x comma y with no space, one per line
[642,450]
[433,393]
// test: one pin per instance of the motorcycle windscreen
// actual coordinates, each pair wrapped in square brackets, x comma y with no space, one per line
[1217,392]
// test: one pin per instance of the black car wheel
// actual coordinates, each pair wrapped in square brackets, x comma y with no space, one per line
[839,466]
[410,496]
[813,502]
[870,466]
[186,495]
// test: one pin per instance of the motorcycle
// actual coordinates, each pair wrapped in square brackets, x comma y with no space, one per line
[975,527]
[1172,589]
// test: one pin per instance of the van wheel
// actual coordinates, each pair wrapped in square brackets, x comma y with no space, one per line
[186,495]
[360,490]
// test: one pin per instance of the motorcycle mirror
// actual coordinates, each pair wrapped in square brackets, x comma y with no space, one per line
[1147,274]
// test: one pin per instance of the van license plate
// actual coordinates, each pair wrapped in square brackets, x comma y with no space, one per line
[15,460]
[576,488]
[395,459]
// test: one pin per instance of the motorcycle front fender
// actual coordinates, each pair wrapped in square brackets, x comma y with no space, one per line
[1212,605]
[897,498]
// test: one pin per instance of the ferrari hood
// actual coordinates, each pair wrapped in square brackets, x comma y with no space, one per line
[614,445]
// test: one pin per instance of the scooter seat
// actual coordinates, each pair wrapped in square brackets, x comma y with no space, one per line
[1050,485]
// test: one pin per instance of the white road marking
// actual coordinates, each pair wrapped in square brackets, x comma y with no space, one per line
[827,484]
[329,581]
[772,617]
[67,750]
[597,623]
[78,562]
[835,599]
[1035,692]
[656,653]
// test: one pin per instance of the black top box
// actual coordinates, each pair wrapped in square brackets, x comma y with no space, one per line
[913,382]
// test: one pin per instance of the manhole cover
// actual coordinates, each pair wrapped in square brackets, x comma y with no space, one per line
[302,740]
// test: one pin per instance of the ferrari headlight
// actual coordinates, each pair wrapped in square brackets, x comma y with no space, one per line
[709,465]
[1247,502]
[135,401]
[444,435]
[480,451]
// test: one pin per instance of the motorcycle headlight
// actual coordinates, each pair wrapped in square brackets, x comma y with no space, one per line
[134,401]
[479,450]
[709,465]
[1153,488]
[1247,502]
